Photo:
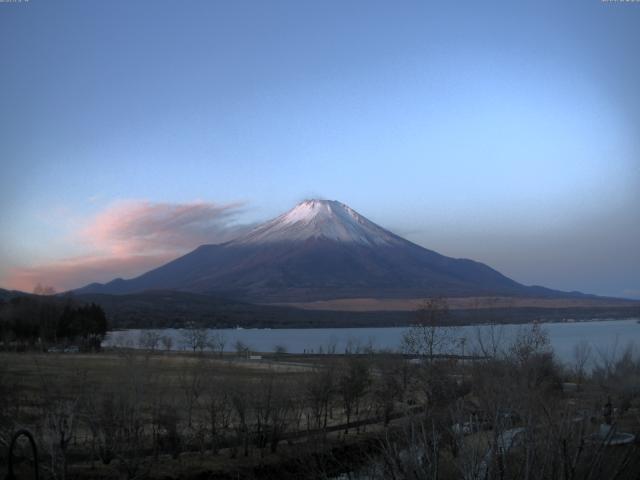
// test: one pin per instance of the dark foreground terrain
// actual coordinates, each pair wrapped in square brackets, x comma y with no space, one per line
[507,412]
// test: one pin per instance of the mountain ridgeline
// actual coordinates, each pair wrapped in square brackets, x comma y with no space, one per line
[322,250]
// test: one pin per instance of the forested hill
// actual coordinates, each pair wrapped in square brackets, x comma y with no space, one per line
[170,309]
[175,309]
[6,295]
[164,309]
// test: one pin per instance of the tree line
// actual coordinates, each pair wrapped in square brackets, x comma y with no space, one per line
[43,322]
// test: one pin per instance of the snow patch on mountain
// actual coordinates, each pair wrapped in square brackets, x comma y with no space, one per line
[321,219]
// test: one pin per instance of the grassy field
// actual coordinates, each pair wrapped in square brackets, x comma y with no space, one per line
[135,414]
[461,303]
[36,386]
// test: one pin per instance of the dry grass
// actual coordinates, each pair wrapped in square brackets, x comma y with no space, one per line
[35,373]
[456,303]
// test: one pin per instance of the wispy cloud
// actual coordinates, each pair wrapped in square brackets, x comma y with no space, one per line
[133,227]
[131,237]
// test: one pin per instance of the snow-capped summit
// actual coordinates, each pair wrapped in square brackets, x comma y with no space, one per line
[320,219]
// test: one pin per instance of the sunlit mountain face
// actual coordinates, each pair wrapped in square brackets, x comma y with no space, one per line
[321,249]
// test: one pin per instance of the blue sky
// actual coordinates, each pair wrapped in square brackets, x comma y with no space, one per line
[506,132]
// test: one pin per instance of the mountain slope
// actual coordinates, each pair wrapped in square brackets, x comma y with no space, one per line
[321,250]
[7,295]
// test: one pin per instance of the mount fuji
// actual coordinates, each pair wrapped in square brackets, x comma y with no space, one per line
[321,250]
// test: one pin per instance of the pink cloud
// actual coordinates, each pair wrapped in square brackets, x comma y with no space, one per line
[132,237]
[79,271]
[134,227]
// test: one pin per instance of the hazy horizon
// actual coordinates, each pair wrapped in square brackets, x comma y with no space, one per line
[508,133]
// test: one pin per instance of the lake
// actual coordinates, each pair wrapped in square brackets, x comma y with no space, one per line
[605,337]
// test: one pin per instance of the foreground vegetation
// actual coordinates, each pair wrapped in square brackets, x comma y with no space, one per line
[506,413]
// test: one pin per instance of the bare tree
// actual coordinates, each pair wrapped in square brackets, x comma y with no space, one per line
[191,383]
[116,417]
[387,388]
[101,417]
[217,342]
[285,400]
[271,407]
[149,340]
[60,413]
[195,339]
[489,339]
[412,454]
[332,344]
[131,398]
[581,357]
[241,348]
[320,388]
[58,431]
[8,407]
[167,342]
[429,335]
[279,350]
[529,341]
[164,423]
[219,409]
[240,399]
[353,384]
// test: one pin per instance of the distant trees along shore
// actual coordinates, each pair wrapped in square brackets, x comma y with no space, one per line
[37,322]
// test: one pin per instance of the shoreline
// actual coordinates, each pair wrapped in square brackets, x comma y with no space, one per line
[378,327]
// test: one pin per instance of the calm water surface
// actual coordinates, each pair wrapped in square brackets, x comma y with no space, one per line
[604,336]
